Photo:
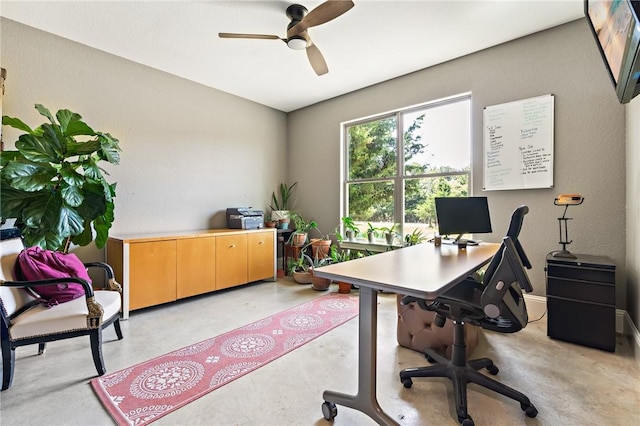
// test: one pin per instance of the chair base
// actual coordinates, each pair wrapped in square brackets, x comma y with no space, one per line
[460,372]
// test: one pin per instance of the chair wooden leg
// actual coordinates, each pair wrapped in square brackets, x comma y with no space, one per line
[96,351]
[8,364]
[116,326]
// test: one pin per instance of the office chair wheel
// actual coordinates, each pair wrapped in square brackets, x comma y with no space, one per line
[329,410]
[492,369]
[466,421]
[407,382]
[529,410]
[431,359]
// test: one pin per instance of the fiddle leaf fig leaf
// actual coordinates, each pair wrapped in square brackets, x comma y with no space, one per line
[85,237]
[37,149]
[44,111]
[65,117]
[15,201]
[72,195]
[70,222]
[79,128]
[109,148]
[70,175]
[16,123]
[27,176]
[91,169]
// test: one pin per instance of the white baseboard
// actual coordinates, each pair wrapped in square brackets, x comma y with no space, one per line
[537,307]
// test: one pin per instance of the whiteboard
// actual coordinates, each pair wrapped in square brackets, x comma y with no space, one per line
[518,144]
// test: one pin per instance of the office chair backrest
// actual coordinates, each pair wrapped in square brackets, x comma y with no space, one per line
[515,225]
[502,299]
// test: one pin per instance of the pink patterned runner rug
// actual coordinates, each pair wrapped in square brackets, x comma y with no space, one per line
[144,393]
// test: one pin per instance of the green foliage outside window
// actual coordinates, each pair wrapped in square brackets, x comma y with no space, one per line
[372,171]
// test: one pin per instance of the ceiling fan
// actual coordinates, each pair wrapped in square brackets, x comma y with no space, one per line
[297,36]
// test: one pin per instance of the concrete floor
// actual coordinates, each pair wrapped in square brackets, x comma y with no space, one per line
[569,384]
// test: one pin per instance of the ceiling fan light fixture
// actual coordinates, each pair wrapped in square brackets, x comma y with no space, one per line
[297,42]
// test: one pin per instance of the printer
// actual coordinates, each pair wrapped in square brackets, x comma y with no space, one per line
[244,218]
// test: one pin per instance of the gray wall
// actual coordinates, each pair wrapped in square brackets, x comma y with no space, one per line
[589,139]
[188,151]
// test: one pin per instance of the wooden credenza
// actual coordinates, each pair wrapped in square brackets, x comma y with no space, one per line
[162,268]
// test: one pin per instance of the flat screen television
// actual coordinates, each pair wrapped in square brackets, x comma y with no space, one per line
[463,215]
[616,28]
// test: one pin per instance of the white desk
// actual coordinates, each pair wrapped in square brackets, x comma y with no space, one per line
[423,271]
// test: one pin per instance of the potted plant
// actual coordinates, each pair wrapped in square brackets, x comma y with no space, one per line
[269,222]
[280,206]
[390,233]
[336,255]
[302,228]
[318,283]
[53,183]
[351,231]
[320,246]
[416,237]
[299,269]
[372,232]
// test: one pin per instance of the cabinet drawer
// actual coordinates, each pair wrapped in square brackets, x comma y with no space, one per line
[582,290]
[588,324]
[582,273]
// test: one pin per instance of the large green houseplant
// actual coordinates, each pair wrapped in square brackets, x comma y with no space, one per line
[53,184]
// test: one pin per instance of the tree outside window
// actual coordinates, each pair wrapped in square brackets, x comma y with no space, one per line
[382,187]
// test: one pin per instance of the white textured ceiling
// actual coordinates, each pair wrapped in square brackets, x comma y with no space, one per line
[373,42]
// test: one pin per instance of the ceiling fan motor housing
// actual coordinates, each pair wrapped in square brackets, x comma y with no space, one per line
[296,12]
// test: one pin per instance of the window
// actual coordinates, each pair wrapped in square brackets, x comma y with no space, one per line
[396,164]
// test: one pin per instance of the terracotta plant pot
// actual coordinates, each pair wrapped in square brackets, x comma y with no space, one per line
[298,239]
[302,277]
[317,283]
[270,224]
[344,287]
[320,248]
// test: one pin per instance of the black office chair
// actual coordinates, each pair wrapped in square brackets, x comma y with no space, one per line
[495,304]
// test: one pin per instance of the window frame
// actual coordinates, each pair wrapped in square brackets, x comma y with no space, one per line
[400,177]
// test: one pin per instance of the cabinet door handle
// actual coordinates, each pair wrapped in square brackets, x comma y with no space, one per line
[260,242]
[232,246]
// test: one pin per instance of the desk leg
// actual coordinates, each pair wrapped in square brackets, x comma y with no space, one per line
[365,400]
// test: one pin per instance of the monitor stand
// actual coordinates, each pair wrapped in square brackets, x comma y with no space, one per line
[459,241]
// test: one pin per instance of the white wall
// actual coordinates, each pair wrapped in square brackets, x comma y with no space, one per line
[589,139]
[188,151]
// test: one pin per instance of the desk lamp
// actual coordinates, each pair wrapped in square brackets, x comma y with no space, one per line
[566,200]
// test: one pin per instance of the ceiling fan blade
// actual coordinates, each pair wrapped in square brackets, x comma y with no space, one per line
[327,11]
[316,59]
[251,36]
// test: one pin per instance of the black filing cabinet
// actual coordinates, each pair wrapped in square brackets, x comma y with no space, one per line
[581,300]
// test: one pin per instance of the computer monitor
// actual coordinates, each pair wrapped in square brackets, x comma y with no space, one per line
[463,215]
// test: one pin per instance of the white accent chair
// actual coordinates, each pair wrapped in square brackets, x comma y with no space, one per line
[25,321]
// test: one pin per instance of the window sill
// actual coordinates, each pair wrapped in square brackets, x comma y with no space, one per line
[377,246]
